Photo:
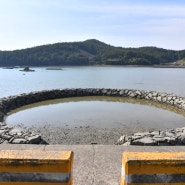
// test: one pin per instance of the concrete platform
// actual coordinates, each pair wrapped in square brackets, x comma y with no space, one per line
[95,164]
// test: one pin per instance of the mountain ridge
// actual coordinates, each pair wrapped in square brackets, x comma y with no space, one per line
[89,52]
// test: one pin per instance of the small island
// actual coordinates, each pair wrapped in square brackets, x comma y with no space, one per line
[53,68]
[27,69]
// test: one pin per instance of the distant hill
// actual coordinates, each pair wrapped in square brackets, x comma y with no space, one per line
[89,52]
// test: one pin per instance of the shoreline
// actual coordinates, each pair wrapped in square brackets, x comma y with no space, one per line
[97,65]
[89,135]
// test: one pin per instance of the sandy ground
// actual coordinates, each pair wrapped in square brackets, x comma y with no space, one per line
[81,135]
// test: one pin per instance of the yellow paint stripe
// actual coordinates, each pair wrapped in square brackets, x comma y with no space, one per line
[167,183]
[122,181]
[64,167]
[36,161]
[155,162]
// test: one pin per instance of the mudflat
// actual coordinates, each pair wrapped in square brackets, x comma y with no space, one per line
[83,135]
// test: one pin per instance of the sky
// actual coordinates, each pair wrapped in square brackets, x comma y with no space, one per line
[125,23]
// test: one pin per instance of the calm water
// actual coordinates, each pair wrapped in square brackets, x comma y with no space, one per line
[13,81]
[102,112]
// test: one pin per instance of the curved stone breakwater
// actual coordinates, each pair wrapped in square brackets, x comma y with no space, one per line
[11,135]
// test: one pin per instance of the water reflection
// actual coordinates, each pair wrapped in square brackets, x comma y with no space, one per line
[101,112]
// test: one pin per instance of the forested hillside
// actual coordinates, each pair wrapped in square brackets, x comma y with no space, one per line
[89,52]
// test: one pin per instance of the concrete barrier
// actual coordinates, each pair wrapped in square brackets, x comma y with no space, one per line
[35,167]
[159,168]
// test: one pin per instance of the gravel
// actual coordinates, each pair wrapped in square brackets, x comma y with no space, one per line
[67,135]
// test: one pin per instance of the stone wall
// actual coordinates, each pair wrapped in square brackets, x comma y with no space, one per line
[12,102]
[12,135]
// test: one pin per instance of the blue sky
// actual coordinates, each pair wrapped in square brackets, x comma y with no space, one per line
[126,23]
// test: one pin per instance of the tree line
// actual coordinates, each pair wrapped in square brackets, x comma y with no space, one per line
[89,52]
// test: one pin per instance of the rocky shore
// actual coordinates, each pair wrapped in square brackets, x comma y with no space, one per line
[18,136]
[171,137]
[14,135]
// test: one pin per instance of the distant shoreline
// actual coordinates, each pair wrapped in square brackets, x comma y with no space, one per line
[99,65]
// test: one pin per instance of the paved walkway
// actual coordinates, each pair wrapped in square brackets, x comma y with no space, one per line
[94,164]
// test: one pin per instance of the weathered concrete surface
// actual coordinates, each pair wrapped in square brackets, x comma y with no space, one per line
[95,164]
[35,166]
[153,168]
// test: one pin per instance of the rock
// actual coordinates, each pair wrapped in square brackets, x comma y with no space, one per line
[169,98]
[159,98]
[181,138]
[144,142]
[139,134]
[159,139]
[121,140]
[150,95]
[2,124]
[183,128]
[143,134]
[170,140]
[164,99]
[5,142]
[19,141]
[169,134]
[104,91]
[34,139]
[171,131]
[169,137]
[136,137]
[1,140]
[6,137]
[131,94]
[122,92]
[15,131]
[127,143]
[2,132]
[138,92]
[155,133]
[179,130]
[5,128]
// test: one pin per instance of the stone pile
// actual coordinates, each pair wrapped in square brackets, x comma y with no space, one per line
[170,137]
[18,136]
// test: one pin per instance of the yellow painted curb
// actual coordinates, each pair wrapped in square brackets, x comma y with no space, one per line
[35,167]
[159,168]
